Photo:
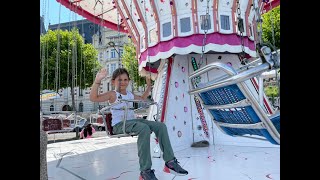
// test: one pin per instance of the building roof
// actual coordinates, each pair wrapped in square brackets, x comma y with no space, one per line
[85,27]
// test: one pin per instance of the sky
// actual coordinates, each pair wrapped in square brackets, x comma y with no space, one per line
[51,13]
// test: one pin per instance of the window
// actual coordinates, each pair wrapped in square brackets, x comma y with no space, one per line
[80,107]
[108,87]
[142,42]
[114,39]
[120,52]
[101,56]
[108,69]
[113,67]
[225,24]
[51,108]
[100,40]
[185,24]
[205,22]
[66,108]
[153,36]
[250,30]
[166,29]
[113,53]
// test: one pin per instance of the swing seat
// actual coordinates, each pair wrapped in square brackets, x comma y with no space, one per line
[107,117]
[233,108]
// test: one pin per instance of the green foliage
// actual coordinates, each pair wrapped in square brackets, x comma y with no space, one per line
[130,62]
[271,91]
[267,19]
[86,62]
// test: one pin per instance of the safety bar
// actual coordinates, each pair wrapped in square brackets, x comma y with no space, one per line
[241,103]
[258,125]
[107,109]
[235,78]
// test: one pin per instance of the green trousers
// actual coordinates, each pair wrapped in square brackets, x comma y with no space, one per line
[143,128]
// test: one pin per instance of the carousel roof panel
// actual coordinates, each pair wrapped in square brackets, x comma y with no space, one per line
[105,12]
[100,12]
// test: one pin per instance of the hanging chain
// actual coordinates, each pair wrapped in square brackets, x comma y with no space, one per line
[241,30]
[147,46]
[118,26]
[272,26]
[275,49]
[58,54]
[48,49]
[42,49]
[204,41]
[258,21]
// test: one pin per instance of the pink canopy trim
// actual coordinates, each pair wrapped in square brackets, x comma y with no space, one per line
[274,3]
[153,70]
[77,9]
[196,39]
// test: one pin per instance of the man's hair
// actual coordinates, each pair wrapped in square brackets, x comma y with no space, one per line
[118,72]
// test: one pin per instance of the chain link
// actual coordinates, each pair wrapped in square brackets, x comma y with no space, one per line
[259,22]
[147,47]
[206,25]
[118,26]
[241,30]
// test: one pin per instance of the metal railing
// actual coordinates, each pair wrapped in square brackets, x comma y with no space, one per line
[238,78]
[107,110]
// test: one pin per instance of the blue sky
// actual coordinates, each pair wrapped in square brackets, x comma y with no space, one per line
[52,13]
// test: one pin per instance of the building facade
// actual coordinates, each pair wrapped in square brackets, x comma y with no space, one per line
[109,44]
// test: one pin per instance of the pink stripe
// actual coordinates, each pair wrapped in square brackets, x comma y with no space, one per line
[256,86]
[196,39]
[164,105]
[90,16]
[153,70]
[274,4]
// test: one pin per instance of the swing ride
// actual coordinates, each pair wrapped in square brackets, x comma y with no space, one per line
[207,60]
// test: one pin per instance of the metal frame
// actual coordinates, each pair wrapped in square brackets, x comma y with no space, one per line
[107,109]
[239,78]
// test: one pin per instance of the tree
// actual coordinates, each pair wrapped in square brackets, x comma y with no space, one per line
[269,18]
[272,91]
[130,62]
[77,61]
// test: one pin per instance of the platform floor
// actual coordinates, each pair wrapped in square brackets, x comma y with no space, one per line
[106,158]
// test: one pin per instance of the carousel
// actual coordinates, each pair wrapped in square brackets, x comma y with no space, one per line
[206,58]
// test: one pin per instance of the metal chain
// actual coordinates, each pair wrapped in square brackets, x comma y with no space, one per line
[147,46]
[206,24]
[118,26]
[275,49]
[241,30]
[58,54]
[272,26]
[259,22]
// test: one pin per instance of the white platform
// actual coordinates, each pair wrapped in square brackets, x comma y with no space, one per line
[105,159]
